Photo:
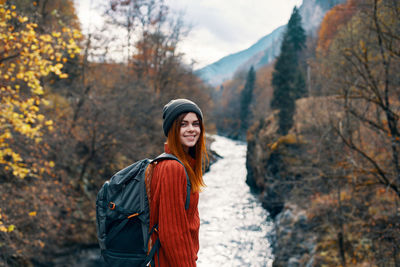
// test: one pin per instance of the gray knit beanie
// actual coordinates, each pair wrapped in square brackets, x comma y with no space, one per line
[176,107]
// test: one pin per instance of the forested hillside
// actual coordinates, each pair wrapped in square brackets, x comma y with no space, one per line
[327,168]
[68,122]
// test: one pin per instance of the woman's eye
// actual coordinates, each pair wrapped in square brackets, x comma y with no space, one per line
[196,124]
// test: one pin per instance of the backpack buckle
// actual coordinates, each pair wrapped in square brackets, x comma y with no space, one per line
[111,206]
[133,215]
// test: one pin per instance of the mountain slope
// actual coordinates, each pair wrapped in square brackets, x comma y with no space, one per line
[224,68]
[267,48]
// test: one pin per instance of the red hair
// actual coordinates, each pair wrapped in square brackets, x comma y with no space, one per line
[198,152]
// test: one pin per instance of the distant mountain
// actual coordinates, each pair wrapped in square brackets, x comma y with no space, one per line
[266,49]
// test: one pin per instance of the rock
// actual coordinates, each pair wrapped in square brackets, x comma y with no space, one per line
[272,202]
[293,262]
[212,155]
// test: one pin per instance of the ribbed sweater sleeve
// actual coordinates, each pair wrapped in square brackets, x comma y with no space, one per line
[174,229]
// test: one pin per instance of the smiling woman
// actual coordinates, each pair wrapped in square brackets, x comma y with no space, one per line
[178,227]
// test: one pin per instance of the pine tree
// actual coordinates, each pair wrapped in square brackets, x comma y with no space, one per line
[287,79]
[245,101]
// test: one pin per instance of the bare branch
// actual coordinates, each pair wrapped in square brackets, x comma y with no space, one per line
[382,176]
[9,57]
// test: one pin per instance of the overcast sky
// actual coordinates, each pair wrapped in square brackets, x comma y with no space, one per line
[218,27]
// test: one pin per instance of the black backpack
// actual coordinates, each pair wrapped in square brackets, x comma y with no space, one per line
[122,216]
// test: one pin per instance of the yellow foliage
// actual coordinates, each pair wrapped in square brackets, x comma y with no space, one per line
[32,213]
[4,228]
[26,56]
[289,139]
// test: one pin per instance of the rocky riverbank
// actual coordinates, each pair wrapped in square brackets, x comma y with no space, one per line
[284,172]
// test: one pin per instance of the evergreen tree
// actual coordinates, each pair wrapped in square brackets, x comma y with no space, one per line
[287,79]
[245,101]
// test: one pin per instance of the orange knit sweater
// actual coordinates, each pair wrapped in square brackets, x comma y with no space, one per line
[178,229]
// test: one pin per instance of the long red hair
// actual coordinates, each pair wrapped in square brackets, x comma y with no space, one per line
[198,152]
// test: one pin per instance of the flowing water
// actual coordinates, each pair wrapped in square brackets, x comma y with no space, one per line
[234,226]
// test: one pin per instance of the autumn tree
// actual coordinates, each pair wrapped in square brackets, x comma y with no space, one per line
[136,18]
[365,74]
[360,69]
[227,112]
[246,97]
[29,56]
[112,108]
[25,57]
[287,80]
[156,57]
[335,18]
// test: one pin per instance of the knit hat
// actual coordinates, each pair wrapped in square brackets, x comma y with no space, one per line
[176,107]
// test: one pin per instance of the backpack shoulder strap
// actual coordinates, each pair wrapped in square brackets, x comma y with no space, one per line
[165,156]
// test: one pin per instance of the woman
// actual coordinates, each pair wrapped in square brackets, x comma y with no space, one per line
[178,228]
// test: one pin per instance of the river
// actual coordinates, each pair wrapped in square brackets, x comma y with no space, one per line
[234,226]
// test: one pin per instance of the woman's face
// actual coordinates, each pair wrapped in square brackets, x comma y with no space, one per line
[190,131]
